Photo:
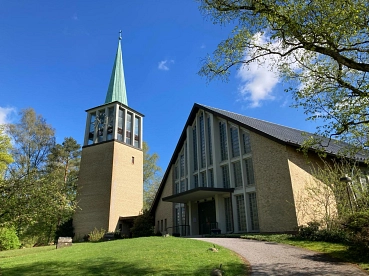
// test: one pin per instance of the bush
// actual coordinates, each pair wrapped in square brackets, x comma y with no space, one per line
[313,233]
[96,235]
[8,239]
[143,225]
[357,226]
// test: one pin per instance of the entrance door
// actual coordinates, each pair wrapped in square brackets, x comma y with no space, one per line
[207,218]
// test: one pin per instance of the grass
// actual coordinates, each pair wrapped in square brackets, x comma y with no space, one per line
[335,250]
[141,256]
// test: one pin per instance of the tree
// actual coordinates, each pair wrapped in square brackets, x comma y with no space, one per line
[151,175]
[5,147]
[21,197]
[320,47]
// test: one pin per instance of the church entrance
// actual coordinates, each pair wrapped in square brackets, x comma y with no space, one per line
[207,218]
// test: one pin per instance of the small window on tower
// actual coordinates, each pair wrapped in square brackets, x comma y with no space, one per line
[133,159]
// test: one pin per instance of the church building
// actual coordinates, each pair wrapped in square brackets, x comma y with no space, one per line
[110,183]
[230,173]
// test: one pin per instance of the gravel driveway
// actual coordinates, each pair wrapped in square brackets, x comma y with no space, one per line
[267,258]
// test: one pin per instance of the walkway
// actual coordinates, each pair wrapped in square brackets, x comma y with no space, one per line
[267,258]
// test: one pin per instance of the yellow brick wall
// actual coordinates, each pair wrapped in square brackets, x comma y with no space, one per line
[164,210]
[109,186]
[274,194]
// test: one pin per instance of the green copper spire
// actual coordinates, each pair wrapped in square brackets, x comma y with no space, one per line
[117,85]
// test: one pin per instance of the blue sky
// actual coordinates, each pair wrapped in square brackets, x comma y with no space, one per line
[57,57]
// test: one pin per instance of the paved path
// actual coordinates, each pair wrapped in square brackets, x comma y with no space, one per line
[267,258]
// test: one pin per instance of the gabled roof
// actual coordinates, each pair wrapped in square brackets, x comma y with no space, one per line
[281,134]
[117,86]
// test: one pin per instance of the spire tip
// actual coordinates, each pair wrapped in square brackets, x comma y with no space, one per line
[120,35]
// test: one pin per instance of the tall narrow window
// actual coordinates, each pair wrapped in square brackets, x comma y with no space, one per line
[211,178]
[120,124]
[241,214]
[91,131]
[195,166]
[137,131]
[183,187]
[101,124]
[253,212]
[249,172]
[177,188]
[196,180]
[210,145]
[225,176]
[223,141]
[235,143]
[228,214]
[110,127]
[182,165]
[129,129]
[202,141]
[246,143]
[203,179]
[176,172]
[237,174]
[177,218]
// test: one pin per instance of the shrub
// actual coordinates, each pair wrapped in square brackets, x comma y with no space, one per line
[143,225]
[357,226]
[96,235]
[8,239]
[313,233]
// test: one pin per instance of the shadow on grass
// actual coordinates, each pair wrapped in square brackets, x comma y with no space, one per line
[103,266]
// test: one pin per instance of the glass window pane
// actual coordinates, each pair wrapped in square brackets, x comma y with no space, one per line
[237,174]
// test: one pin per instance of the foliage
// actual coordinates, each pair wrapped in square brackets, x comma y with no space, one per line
[38,192]
[312,232]
[142,256]
[96,235]
[5,147]
[319,47]
[143,225]
[8,239]
[357,225]
[151,176]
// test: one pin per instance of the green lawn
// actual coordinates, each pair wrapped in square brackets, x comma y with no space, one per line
[141,256]
[335,250]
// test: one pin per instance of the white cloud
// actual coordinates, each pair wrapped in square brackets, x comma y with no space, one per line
[258,78]
[164,64]
[5,113]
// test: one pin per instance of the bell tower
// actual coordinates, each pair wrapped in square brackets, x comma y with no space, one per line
[110,182]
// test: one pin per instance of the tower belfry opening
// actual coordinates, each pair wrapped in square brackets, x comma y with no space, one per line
[110,185]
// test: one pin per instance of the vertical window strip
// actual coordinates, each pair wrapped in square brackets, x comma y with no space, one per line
[235,142]
[101,124]
[196,180]
[91,132]
[129,129]
[176,172]
[225,177]
[210,145]
[111,119]
[120,124]
[237,174]
[253,212]
[211,178]
[136,133]
[183,188]
[249,172]
[203,179]
[177,187]
[241,214]
[181,164]
[194,136]
[202,141]
[246,143]
[228,214]
[223,141]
